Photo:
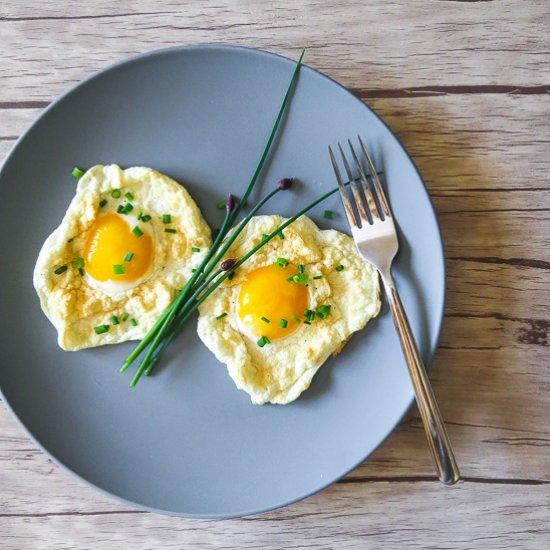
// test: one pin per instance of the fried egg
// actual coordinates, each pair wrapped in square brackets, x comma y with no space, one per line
[127,244]
[288,308]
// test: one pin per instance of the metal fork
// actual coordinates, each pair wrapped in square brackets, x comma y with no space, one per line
[376,240]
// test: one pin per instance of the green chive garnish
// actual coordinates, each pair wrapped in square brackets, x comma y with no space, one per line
[129,196]
[102,203]
[61,269]
[301,279]
[323,311]
[78,263]
[77,173]
[120,209]
[81,271]
[195,249]
[166,218]
[281,262]
[125,316]
[265,319]
[125,209]
[309,314]
[290,279]
[294,318]
[115,193]
[300,268]
[339,267]
[119,269]
[267,340]
[114,320]
[317,277]
[193,270]
[261,342]
[328,214]
[140,215]
[221,315]
[133,322]
[145,218]
[307,322]
[283,323]
[128,257]
[221,205]
[281,236]
[169,230]
[100,329]
[137,232]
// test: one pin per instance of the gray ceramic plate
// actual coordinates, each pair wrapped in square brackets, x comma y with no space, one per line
[186,441]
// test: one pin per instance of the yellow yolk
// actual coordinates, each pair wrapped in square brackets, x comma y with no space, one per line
[109,241]
[267,293]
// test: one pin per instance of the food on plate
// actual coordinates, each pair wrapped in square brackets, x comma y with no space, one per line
[288,308]
[126,245]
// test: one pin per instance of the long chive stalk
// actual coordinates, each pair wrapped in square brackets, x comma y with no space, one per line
[164,320]
[267,147]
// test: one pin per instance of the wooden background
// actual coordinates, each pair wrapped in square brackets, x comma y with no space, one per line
[465,85]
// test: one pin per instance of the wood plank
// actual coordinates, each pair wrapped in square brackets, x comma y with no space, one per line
[352,515]
[367,45]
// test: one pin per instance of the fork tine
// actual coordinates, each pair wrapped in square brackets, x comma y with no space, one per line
[345,200]
[354,188]
[375,180]
[366,188]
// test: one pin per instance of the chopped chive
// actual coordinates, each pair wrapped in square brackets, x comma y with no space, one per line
[145,218]
[78,263]
[114,320]
[294,318]
[125,316]
[125,209]
[323,311]
[133,322]
[317,277]
[102,203]
[301,279]
[261,342]
[300,268]
[221,315]
[169,230]
[120,209]
[137,232]
[119,269]
[339,267]
[115,193]
[283,323]
[290,279]
[281,236]
[195,249]
[267,340]
[77,172]
[61,269]
[265,319]
[309,314]
[166,218]
[221,205]
[128,257]
[100,329]
[129,196]
[140,215]
[307,322]
[81,271]
[193,270]
[328,214]
[281,262]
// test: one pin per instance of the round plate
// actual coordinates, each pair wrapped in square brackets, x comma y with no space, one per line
[186,441]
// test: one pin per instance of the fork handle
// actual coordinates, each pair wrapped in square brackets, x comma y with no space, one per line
[436,433]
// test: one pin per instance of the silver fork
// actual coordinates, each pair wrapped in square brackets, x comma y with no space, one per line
[376,240]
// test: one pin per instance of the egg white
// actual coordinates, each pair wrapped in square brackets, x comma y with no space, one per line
[280,371]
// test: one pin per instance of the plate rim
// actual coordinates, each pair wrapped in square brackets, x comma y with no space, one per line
[441,252]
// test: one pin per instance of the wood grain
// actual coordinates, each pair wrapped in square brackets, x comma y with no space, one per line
[465,87]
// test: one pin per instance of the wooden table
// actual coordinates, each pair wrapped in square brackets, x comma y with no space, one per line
[465,85]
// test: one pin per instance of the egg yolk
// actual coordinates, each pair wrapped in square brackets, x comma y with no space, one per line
[266,293]
[109,242]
